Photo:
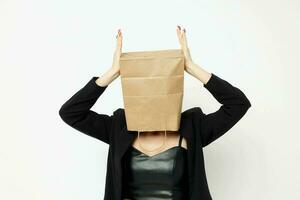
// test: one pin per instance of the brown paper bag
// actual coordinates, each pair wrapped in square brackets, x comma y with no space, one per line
[152,86]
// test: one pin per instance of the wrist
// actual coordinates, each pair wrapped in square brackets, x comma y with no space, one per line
[190,65]
[107,77]
[113,73]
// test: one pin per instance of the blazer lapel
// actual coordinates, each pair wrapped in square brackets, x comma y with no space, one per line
[126,138]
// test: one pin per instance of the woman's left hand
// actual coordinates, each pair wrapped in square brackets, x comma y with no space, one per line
[181,33]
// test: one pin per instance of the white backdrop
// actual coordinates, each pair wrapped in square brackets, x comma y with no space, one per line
[50,49]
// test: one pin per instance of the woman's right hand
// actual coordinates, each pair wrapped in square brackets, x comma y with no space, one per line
[117,53]
[114,71]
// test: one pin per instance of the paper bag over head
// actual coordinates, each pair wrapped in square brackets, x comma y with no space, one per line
[152,87]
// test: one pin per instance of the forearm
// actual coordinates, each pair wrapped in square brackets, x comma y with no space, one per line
[226,93]
[79,104]
[199,73]
[77,113]
[234,106]
[107,78]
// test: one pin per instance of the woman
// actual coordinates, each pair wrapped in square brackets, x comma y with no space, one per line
[137,167]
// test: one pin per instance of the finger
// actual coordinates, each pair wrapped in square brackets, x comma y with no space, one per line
[118,33]
[120,37]
[184,36]
[178,31]
[119,41]
[179,34]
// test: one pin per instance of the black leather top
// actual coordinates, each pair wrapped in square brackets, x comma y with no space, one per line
[158,177]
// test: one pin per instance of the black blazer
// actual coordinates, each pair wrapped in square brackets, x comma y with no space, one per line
[197,128]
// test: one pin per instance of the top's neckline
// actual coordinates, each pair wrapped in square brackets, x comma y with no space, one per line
[160,153]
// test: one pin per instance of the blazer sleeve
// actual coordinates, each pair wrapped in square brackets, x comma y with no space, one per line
[77,113]
[234,106]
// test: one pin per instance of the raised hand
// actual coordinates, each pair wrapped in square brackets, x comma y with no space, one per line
[181,33]
[114,70]
[118,52]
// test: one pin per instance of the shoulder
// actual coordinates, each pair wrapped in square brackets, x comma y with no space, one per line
[192,112]
[118,111]
[119,114]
